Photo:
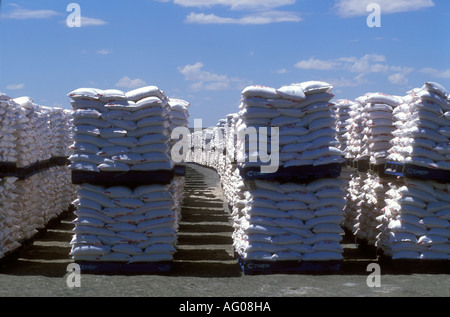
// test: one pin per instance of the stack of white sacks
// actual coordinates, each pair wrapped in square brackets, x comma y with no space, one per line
[343,122]
[354,136]
[59,130]
[31,133]
[282,221]
[217,159]
[30,204]
[304,116]
[415,224]
[355,197]
[30,147]
[422,135]
[370,129]
[205,145]
[191,154]
[120,224]
[221,146]
[9,219]
[120,132]
[114,131]
[40,132]
[213,145]
[287,221]
[10,117]
[229,173]
[378,125]
[370,205]
[178,117]
[377,121]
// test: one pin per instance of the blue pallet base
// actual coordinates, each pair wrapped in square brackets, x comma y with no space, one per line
[120,267]
[414,171]
[130,178]
[10,169]
[292,173]
[252,267]
[179,170]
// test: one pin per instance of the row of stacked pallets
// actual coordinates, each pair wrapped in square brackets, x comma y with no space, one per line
[35,185]
[130,192]
[394,178]
[285,219]
[398,180]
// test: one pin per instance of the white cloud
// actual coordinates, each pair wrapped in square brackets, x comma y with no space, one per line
[282,71]
[195,73]
[206,80]
[362,66]
[260,11]
[15,86]
[235,4]
[201,18]
[127,82]
[398,79]
[436,73]
[252,19]
[350,8]
[313,63]
[369,63]
[19,13]
[344,82]
[402,69]
[103,52]
[85,21]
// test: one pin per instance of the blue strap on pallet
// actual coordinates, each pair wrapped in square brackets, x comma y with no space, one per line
[120,267]
[292,173]
[130,179]
[251,267]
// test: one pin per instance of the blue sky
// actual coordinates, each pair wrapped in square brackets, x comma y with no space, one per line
[208,51]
